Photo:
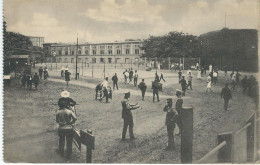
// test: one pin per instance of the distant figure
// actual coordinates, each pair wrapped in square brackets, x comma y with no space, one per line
[23,80]
[40,72]
[156,79]
[183,85]
[62,71]
[215,77]
[226,95]
[210,68]
[143,88]
[105,89]
[170,122]
[180,74]
[131,73]
[65,118]
[126,76]
[189,81]
[115,80]
[135,78]
[208,84]
[155,88]
[233,82]
[226,75]
[237,77]
[127,116]
[36,80]
[29,81]
[244,83]
[199,74]
[67,77]
[161,77]
[45,74]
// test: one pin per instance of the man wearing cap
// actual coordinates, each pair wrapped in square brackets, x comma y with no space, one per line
[127,116]
[226,95]
[65,97]
[178,107]
[170,122]
[183,85]
[142,87]
[155,88]
[115,80]
[65,118]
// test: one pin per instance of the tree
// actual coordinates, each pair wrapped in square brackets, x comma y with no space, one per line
[173,44]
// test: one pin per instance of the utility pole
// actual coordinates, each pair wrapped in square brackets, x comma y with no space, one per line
[76,76]
[104,69]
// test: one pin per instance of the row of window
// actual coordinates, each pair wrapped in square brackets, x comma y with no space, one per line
[94,60]
[94,52]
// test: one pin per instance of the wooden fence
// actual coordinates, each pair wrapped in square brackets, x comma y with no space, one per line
[241,146]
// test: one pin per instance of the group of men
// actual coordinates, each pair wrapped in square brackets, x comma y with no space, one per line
[129,75]
[28,80]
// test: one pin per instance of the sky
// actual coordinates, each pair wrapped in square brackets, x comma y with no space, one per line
[117,20]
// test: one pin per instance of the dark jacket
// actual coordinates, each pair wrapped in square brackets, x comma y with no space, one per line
[171,116]
[142,86]
[183,83]
[114,79]
[68,100]
[126,110]
[226,93]
[36,79]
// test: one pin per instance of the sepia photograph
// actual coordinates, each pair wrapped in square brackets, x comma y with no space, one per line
[130,81]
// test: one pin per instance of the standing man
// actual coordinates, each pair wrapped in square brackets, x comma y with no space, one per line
[143,88]
[115,80]
[215,77]
[208,84]
[183,85]
[244,83]
[180,74]
[155,88]
[237,77]
[131,73]
[45,74]
[161,77]
[65,118]
[170,122]
[135,78]
[189,81]
[65,96]
[178,107]
[156,79]
[105,90]
[29,81]
[127,116]
[62,71]
[67,77]
[23,80]
[36,80]
[226,95]
[40,72]
[233,82]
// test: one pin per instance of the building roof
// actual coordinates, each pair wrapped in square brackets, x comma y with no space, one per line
[19,56]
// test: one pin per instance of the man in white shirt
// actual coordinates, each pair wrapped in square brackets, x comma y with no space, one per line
[104,86]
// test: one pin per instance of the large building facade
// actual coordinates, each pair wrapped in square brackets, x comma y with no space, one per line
[125,52]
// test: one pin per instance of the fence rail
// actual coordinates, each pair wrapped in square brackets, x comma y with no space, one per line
[240,146]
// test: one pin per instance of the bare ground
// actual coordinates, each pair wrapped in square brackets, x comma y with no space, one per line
[30,131]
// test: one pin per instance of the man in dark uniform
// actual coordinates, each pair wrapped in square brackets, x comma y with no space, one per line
[142,87]
[170,122]
[23,80]
[65,118]
[65,96]
[131,73]
[29,81]
[67,77]
[40,72]
[178,107]
[226,95]
[244,83]
[155,88]
[183,85]
[127,116]
[36,80]
[157,79]
[115,80]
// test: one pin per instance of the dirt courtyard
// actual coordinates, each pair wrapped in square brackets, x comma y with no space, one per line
[30,130]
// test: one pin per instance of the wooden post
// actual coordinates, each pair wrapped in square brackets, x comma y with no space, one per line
[251,141]
[225,153]
[186,134]
[89,151]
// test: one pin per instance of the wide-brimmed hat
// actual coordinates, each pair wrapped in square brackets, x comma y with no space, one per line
[65,94]
[178,92]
